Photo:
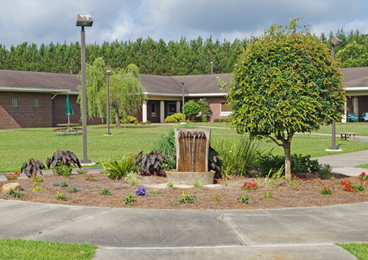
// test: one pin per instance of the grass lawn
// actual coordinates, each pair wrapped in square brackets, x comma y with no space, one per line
[29,249]
[361,128]
[39,143]
[359,250]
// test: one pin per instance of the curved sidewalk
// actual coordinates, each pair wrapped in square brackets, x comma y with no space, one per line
[345,163]
[294,233]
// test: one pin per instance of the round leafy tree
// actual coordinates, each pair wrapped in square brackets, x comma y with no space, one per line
[283,83]
[191,109]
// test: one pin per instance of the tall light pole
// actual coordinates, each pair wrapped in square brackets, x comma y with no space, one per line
[108,73]
[84,20]
[182,83]
[335,42]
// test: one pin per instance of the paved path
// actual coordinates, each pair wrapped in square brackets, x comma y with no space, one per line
[344,163]
[295,233]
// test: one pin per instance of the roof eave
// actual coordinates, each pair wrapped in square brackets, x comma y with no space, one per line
[39,90]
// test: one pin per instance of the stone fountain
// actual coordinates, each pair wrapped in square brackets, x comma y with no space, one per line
[192,147]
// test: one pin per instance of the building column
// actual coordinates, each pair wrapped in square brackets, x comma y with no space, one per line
[178,106]
[162,111]
[144,111]
[344,116]
[356,107]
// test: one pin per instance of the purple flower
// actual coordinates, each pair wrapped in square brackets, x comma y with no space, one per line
[141,191]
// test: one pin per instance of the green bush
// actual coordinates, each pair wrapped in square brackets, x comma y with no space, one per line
[117,170]
[191,109]
[129,120]
[299,163]
[170,119]
[238,155]
[221,120]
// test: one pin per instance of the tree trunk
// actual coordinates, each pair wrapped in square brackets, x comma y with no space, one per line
[286,146]
[117,119]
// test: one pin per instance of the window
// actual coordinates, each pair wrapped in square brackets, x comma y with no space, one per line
[153,109]
[225,109]
[14,102]
[35,102]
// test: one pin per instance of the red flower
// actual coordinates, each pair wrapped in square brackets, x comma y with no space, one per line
[348,188]
[248,187]
[363,174]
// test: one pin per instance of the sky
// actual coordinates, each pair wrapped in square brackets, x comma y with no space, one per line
[46,21]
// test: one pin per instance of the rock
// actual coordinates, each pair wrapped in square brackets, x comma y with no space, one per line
[8,186]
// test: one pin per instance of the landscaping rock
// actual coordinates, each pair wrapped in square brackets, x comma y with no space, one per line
[8,186]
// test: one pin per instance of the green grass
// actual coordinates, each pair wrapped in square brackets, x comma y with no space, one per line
[361,128]
[365,166]
[359,250]
[39,143]
[29,249]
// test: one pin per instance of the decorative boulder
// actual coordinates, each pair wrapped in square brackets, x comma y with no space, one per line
[8,186]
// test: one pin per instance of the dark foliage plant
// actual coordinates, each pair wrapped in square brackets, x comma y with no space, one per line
[152,163]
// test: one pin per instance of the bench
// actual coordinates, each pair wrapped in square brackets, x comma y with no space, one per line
[58,130]
[350,135]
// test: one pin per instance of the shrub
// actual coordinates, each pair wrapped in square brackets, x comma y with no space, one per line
[324,172]
[363,177]
[117,170]
[11,176]
[129,120]
[191,109]
[204,108]
[326,190]
[238,155]
[63,170]
[244,199]
[299,163]
[36,188]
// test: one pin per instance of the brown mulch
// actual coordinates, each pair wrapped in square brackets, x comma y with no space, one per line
[307,193]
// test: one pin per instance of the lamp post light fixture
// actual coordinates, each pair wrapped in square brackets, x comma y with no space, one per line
[84,21]
[335,42]
[182,83]
[108,73]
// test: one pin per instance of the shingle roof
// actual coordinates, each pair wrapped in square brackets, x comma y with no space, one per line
[152,84]
[38,80]
[355,77]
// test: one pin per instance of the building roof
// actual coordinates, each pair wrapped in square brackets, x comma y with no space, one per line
[30,81]
[194,85]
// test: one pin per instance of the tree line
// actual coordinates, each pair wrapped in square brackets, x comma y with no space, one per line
[183,57]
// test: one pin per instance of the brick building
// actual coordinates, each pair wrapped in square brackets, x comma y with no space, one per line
[37,99]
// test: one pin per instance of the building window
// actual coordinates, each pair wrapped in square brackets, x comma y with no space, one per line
[225,109]
[14,102]
[35,102]
[153,109]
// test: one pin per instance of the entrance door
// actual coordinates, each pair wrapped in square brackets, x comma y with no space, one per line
[171,108]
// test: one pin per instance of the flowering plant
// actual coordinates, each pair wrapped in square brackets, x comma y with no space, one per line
[11,176]
[249,186]
[327,190]
[363,177]
[141,191]
[90,177]
[353,187]
[82,171]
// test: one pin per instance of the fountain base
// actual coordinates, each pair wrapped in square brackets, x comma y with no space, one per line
[189,177]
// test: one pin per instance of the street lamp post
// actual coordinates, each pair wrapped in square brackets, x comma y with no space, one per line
[182,83]
[335,42]
[84,20]
[108,73]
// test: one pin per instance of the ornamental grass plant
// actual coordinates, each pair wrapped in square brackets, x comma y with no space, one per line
[238,155]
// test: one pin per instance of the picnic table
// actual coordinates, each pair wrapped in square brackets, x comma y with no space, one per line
[65,128]
[350,135]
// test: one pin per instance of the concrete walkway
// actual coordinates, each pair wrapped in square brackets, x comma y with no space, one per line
[295,233]
[344,163]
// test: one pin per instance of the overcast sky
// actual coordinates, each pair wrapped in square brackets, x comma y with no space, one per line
[43,21]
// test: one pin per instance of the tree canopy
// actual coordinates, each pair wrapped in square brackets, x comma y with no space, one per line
[285,82]
[125,91]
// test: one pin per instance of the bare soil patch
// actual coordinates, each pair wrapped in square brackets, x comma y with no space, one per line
[307,193]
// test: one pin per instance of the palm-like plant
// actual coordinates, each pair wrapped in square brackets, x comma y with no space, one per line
[117,170]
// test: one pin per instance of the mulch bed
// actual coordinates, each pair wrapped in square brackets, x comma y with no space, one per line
[307,193]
